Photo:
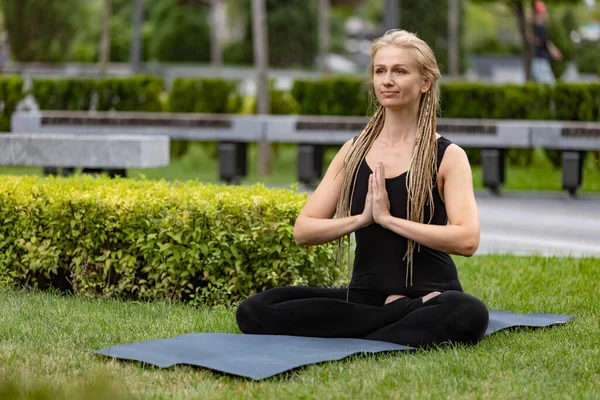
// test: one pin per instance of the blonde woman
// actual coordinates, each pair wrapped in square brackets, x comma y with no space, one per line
[407,194]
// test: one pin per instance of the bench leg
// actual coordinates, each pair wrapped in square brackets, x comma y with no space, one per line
[232,161]
[572,170]
[50,171]
[64,171]
[310,163]
[492,161]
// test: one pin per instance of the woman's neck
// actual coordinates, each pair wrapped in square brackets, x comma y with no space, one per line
[400,125]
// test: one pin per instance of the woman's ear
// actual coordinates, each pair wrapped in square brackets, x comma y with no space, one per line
[426,86]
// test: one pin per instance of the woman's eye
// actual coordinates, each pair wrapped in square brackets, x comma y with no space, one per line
[400,71]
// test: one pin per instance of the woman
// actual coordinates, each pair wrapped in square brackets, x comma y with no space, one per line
[407,195]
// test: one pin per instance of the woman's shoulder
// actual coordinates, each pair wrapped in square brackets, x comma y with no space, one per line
[449,154]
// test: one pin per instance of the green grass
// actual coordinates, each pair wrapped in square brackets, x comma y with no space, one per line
[197,164]
[45,341]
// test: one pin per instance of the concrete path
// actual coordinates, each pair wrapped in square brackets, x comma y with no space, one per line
[539,223]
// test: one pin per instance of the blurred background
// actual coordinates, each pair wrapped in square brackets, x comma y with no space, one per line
[200,56]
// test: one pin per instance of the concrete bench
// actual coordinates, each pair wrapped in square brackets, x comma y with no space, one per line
[112,152]
[313,133]
[232,132]
[573,139]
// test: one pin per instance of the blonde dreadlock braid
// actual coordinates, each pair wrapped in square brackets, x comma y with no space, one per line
[423,164]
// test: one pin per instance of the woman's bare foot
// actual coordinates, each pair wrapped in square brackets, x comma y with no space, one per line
[393,297]
[430,296]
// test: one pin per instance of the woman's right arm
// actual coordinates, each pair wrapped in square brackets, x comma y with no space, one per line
[315,223]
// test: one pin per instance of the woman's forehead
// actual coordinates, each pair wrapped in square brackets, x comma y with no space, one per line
[392,55]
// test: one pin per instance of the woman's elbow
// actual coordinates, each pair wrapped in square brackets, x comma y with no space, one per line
[469,246]
[299,236]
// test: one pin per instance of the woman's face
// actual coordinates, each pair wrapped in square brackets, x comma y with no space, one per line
[397,81]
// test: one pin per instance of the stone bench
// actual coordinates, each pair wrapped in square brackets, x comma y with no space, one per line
[573,139]
[94,151]
[313,133]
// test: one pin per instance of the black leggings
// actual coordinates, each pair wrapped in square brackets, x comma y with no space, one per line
[452,316]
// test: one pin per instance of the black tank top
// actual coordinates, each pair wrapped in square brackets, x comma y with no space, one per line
[378,264]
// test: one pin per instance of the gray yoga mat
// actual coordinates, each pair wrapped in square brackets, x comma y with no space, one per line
[262,356]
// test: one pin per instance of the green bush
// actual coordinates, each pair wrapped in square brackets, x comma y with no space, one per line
[11,92]
[180,32]
[64,94]
[577,102]
[204,95]
[292,27]
[138,93]
[146,240]
[587,56]
[332,96]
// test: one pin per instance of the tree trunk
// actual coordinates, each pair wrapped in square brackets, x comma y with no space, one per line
[324,35]
[453,38]
[216,53]
[136,36]
[524,30]
[105,49]
[391,14]
[261,63]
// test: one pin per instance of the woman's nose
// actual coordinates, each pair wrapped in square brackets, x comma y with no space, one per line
[387,79]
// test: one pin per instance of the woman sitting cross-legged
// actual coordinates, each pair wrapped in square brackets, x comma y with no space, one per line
[407,194]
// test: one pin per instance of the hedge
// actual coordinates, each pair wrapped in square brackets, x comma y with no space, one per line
[573,102]
[143,240]
[332,96]
[138,93]
[211,96]
[11,92]
[348,96]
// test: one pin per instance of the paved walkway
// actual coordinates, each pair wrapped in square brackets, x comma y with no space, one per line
[539,223]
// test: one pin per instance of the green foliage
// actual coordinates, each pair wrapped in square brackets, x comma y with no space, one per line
[282,102]
[138,93]
[495,46]
[292,33]
[474,100]
[577,102]
[144,240]
[588,57]
[11,92]
[332,96]
[36,35]
[200,95]
[559,31]
[429,20]
[180,32]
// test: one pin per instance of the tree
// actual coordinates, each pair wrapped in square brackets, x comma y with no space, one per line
[522,11]
[181,31]
[261,62]
[294,32]
[45,36]
[429,20]
[105,48]
[135,56]
[324,34]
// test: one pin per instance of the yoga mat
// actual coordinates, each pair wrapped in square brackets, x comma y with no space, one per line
[262,356]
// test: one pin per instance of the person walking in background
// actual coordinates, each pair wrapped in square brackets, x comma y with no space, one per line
[544,49]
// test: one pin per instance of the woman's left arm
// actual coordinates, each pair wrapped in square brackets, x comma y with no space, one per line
[461,235]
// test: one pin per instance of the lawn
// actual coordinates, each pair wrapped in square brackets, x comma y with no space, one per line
[197,164]
[45,340]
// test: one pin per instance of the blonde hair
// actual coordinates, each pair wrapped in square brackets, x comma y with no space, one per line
[423,162]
